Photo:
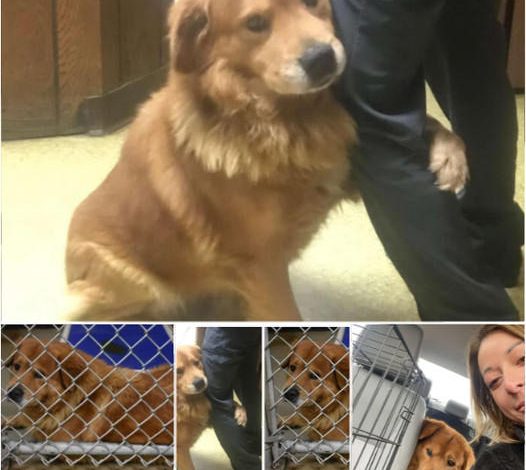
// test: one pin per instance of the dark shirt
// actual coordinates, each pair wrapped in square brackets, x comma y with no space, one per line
[503,456]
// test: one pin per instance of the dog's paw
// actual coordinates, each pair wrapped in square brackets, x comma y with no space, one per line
[447,160]
[240,415]
[15,422]
[291,422]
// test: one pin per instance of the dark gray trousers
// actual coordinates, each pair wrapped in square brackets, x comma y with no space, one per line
[231,358]
[455,256]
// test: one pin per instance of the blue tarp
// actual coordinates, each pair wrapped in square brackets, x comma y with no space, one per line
[345,338]
[132,346]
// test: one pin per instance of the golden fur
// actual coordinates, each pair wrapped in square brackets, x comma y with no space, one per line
[319,376]
[65,394]
[226,173]
[193,407]
[440,447]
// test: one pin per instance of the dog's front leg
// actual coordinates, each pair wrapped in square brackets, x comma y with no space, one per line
[18,421]
[447,157]
[184,460]
[269,294]
[294,421]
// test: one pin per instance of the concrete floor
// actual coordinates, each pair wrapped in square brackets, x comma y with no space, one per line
[207,453]
[343,275]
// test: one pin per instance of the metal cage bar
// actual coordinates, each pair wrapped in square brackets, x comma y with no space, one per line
[388,389]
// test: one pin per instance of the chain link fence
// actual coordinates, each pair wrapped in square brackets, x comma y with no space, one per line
[389,393]
[87,394]
[307,400]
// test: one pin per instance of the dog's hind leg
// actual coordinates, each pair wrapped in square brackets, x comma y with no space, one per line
[87,302]
[184,460]
[268,293]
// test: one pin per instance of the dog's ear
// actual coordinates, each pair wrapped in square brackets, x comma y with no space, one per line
[338,354]
[469,456]
[429,428]
[189,28]
[71,363]
[195,350]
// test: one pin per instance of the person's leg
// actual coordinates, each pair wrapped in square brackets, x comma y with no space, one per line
[223,366]
[421,228]
[247,388]
[466,70]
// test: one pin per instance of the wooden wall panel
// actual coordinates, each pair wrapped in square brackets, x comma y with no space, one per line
[110,32]
[79,65]
[141,32]
[516,47]
[28,78]
[79,57]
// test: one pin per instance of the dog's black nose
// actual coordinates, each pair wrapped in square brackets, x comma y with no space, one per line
[199,384]
[16,394]
[319,62]
[292,394]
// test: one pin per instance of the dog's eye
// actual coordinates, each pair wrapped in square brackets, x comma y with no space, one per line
[257,23]
[429,452]
[197,363]
[292,368]
[450,463]
[311,3]
[16,367]
[313,376]
[38,375]
[180,371]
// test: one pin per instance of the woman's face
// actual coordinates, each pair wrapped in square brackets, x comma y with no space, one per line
[501,363]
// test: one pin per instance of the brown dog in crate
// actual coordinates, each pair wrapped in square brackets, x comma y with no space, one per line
[440,447]
[65,394]
[318,387]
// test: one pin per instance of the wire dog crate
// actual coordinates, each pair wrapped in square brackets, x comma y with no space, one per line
[87,394]
[307,405]
[388,396]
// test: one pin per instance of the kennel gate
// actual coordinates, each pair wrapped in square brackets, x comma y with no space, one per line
[133,346]
[388,396]
[285,445]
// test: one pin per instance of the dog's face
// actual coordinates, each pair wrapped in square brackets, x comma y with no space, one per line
[37,377]
[441,448]
[316,374]
[287,47]
[191,379]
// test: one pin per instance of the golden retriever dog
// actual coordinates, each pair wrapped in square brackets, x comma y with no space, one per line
[65,394]
[440,447]
[227,172]
[318,387]
[193,407]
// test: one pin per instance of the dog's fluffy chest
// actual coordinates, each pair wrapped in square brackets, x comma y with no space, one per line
[257,218]
[267,182]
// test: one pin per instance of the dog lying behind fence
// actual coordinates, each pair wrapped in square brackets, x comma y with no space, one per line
[440,447]
[318,386]
[193,407]
[66,394]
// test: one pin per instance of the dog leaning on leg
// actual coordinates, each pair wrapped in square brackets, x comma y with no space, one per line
[226,173]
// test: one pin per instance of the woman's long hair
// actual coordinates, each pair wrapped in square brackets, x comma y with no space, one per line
[489,419]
